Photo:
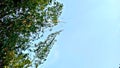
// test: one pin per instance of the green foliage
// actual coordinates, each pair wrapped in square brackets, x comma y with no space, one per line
[22,22]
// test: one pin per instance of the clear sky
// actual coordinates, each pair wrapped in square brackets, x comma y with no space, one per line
[91,36]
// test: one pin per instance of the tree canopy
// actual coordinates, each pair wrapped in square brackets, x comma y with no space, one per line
[22,22]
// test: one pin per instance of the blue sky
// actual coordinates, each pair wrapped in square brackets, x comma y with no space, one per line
[91,36]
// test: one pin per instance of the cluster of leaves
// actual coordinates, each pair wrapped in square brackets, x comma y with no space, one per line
[21,23]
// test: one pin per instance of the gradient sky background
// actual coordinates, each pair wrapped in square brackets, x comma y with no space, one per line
[91,36]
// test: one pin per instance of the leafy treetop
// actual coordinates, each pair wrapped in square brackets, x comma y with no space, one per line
[22,22]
